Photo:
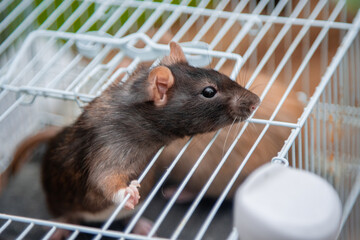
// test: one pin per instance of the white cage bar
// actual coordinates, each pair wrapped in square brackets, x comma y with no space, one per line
[56,56]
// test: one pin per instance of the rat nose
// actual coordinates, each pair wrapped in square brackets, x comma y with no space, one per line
[253,107]
[254,102]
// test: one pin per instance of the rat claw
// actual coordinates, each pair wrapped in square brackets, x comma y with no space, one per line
[129,205]
[133,199]
[135,183]
[133,191]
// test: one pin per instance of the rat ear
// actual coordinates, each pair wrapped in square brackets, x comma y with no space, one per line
[160,80]
[176,54]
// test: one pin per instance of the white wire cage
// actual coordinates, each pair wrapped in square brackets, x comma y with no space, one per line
[58,55]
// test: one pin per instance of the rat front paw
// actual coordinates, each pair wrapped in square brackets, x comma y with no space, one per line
[132,189]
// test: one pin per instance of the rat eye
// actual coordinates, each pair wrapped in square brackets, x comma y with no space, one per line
[209,92]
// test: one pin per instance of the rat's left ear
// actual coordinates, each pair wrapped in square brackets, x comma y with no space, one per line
[176,55]
[160,80]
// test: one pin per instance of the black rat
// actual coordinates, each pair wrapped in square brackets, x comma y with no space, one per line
[90,166]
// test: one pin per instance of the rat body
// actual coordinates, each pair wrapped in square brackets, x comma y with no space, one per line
[91,165]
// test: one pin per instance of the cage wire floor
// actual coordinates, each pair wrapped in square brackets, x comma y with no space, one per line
[301,57]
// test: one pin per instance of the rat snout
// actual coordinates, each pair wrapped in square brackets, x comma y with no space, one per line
[254,102]
[246,104]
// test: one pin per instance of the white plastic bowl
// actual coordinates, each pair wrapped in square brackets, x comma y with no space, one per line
[278,202]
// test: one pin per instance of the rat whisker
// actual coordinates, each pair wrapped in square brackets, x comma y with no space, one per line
[255,86]
[252,126]
[237,130]
[227,135]
[210,61]
[243,77]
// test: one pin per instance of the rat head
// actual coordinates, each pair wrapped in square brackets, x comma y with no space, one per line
[186,100]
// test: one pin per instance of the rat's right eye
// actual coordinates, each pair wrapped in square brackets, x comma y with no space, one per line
[209,92]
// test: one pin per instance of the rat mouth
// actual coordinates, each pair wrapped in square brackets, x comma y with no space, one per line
[241,118]
[242,115]
[236,118]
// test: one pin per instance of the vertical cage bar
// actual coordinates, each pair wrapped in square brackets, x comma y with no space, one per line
[352,78]
[253,57]
[336,122]
[271,34]
[26,231]
[293,155]
[5,225]
[325,45]
[312,143]
[300,160]
[330,131]
[73,235]
[318,139]
[324,139]
[306,146]
[344,80]
[305,49]
[343,17]
[4,4]
[289,36]
[357,69]
[343,131]
[49,233]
